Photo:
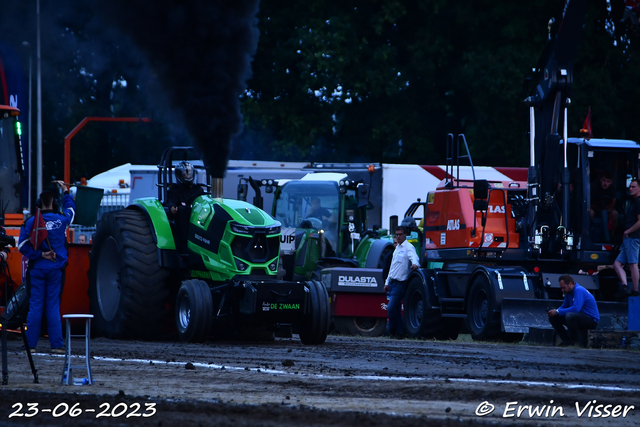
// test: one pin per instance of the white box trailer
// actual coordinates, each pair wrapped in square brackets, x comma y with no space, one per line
[243,169]
[394,187]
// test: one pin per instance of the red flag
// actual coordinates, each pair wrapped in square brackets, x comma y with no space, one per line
[39,231]
[586,128]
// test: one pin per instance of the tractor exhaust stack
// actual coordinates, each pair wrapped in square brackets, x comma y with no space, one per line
[216,187]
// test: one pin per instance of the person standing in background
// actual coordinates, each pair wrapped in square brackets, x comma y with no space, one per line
[630,244]
[404,260]
[46,263]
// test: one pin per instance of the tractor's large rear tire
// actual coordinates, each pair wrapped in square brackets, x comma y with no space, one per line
[315,328]
[362,326]
[420,320]
[128,290]
[194,311]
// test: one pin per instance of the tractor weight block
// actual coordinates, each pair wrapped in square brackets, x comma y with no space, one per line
[278,301]
[345,279]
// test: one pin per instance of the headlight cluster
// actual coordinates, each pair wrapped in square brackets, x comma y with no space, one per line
[241,265]
[346,184]
[249,230]
[240,229]
[274,229]
[268,185]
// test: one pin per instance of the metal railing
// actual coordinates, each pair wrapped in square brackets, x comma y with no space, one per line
[110,202]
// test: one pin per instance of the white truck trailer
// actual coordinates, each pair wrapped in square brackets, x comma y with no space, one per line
[393,186]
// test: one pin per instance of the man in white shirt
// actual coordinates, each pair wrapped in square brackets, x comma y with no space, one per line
[404,259]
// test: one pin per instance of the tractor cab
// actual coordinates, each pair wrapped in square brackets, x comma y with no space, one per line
[602,185]
[587,222]
[328,213]
[480,219]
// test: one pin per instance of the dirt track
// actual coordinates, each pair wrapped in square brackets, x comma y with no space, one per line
[346,381]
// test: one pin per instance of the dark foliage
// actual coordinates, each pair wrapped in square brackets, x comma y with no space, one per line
[379,80]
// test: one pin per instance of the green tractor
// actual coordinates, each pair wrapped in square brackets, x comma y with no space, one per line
[222,283]
[324,216]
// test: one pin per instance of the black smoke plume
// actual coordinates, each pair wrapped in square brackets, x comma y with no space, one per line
[201,51]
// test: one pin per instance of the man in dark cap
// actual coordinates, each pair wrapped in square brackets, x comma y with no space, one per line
[46,262]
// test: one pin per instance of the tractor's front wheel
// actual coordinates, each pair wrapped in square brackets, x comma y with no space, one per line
[128,290]
[315,328]
[194,311]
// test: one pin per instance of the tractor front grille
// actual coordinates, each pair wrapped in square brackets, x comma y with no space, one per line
[257,248]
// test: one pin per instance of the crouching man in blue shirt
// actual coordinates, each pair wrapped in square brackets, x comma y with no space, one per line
[579,312]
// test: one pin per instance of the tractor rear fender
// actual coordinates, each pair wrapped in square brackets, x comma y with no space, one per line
[512,282]
[160,227]
[363,247]
[429,278]
[375,253]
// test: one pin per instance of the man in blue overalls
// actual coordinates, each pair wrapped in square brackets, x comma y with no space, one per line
[46,263]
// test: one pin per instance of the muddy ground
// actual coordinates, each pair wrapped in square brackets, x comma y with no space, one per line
[346,381]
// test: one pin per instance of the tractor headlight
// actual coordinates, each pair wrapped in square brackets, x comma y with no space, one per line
[241,265]
[240,229]
[273,266]
[274,229]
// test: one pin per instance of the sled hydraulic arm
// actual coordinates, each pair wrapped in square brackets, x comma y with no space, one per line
[549,100]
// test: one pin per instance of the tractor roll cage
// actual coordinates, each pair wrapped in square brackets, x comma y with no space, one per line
[166,166]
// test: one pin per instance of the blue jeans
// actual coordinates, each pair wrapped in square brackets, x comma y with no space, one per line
[394,307]
[45,292]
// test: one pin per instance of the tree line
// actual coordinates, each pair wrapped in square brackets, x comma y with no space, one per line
[354,81]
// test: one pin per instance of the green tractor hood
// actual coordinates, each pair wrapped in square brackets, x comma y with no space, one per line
[234,238]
